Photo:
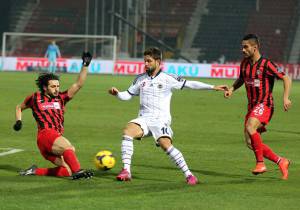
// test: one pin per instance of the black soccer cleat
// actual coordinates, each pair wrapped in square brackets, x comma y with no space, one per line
[28,171]
[87,174]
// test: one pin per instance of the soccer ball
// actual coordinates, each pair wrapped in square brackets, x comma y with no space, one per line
[104,160]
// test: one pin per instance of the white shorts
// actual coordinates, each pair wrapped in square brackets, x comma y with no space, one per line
[155,128]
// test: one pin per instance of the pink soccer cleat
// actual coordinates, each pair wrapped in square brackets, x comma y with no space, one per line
[191,180]
[284,168]
[260,168]
[124,175]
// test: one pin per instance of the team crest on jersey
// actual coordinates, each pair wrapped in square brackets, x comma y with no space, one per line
[143,84]
[160,86]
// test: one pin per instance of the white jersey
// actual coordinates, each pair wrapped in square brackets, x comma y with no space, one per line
[155,94]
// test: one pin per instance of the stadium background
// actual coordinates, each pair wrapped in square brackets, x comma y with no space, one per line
[200,30]
[208,129]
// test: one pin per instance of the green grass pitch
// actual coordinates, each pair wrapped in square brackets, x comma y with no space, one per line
[207,129]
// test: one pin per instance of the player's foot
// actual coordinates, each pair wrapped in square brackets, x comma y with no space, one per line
[284,166]
[260,168]
[191,180]
[87,174]
[28,171]
[124,175]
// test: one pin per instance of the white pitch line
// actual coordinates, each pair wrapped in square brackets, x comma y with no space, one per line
[11,151]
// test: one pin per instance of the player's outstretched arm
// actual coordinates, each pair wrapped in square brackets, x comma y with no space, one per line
[198,85]
[124,96]
[286,93]
[204,86]
[86,60]
[19,108]
[221,87]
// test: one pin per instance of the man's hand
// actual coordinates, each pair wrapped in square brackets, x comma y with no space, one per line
[221,87]
[113,91]
[228,92]
[18,125]
[287,104]
[86,58]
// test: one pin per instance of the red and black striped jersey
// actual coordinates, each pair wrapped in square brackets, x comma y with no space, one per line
[48,112]
[259,80]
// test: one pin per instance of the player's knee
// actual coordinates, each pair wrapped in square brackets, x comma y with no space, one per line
[165,143]
[127,132]
[131,132]
[70,148]
[250,129]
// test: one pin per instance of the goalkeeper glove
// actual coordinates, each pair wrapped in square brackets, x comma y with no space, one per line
[18,125]
[86,58]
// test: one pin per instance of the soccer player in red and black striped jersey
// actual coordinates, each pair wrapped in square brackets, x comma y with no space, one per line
[48,107]
[258,74]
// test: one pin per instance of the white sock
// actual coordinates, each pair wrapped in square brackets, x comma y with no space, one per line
[177,157]
[127,151]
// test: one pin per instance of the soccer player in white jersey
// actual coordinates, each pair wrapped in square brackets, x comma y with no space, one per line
[155,90]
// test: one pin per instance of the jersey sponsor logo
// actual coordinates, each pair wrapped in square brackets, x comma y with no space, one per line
[256,83]
[50,105]
[249,82]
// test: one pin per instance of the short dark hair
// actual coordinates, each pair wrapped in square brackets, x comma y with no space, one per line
[43,80]
[252,37]
[154,52]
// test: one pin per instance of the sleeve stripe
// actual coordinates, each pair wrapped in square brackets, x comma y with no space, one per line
[130,93]
[272,66]
[183,85]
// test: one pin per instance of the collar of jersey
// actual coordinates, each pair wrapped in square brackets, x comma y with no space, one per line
[155,75]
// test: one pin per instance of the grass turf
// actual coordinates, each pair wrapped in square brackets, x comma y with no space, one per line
[208,131]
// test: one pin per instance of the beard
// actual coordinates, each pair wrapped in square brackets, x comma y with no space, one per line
[150,70]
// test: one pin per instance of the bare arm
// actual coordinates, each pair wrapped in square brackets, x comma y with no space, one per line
[86,59]
[286,93]
[19,108]
[236,85]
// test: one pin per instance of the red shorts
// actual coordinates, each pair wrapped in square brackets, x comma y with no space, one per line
[261,112]
[45,140]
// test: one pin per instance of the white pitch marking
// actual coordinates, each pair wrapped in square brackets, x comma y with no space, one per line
[11,151]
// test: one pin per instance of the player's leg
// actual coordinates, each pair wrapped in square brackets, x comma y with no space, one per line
[267,151]
[256,142]
[176,156]
[49,65]
[62,169]
[62,147]
[54,66]
[131,131]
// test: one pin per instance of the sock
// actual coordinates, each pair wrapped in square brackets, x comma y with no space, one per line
[269,154]
[71,159]
[127,151]
[177,157]
[58,171]
[256,143]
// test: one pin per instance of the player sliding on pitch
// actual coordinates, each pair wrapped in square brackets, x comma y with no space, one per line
[155,90]
[48,107]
